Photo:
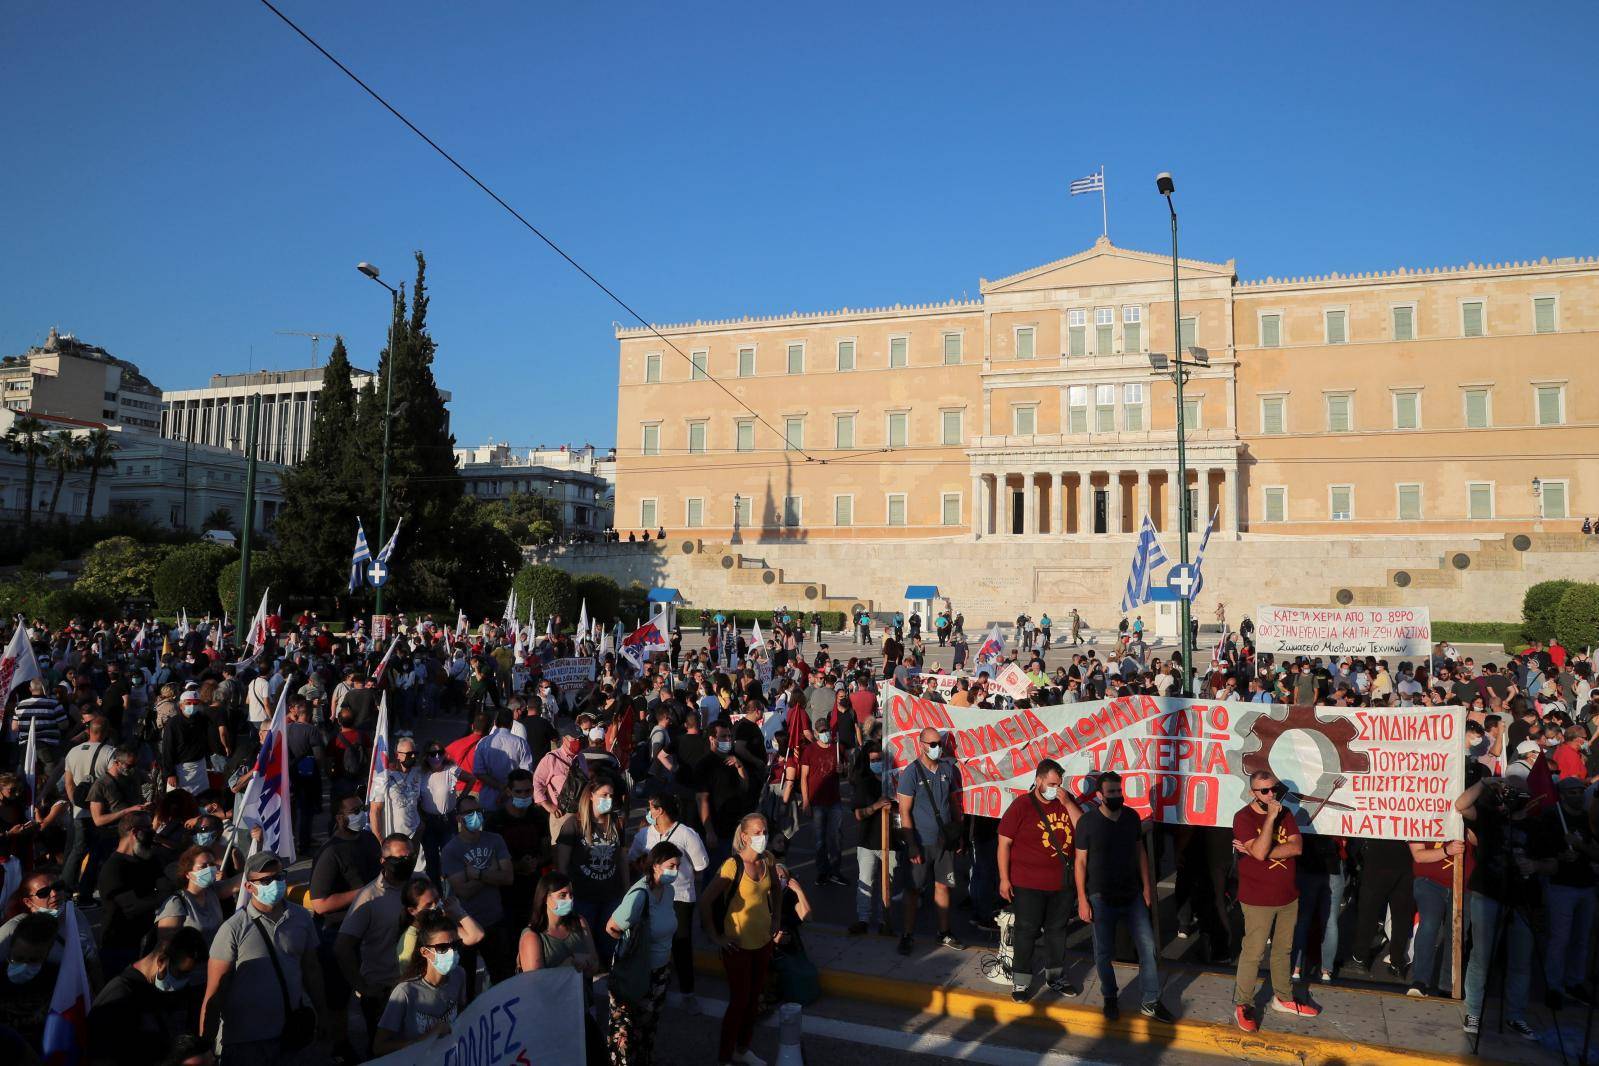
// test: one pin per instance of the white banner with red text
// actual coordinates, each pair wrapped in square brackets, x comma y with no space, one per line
[1338,631]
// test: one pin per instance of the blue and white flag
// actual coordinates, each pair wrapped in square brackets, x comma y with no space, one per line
[388,548]
[266,799]
[1094,182]
[1147,555]
[362,556]
[1199,557]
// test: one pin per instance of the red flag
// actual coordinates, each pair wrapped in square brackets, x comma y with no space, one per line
[1541,783]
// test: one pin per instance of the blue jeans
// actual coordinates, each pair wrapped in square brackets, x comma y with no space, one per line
[983,885]
[828,822]
[868,889]
[1565,955]
[1321,897]
[1106,917]
[1433,903]
[1485,914]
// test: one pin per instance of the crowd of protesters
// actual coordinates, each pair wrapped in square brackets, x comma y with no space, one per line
[515,824]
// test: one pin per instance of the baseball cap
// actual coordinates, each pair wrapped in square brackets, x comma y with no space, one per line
[1528,747]
[258,863]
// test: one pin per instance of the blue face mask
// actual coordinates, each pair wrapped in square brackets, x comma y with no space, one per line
[444,961]
[563,907]
[205,840]
[602,805]
[171,982]
[666,877]
[20,973]
[270,894]
[205,876]
[521,803]
[472,821]
[876,766]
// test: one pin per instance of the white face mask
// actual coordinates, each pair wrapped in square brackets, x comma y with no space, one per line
[758,844]
[1049,792]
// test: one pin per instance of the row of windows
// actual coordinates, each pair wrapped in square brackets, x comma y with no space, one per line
[1408,501]
[896,432]
[1473,321]
[952,344]
[741,511]
[1549,409]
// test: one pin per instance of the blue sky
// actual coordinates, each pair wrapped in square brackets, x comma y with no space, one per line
[184,179]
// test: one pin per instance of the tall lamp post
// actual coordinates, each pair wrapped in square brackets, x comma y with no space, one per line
[1179,368]
[388,408]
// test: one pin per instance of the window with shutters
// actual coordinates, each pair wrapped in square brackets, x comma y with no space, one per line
[744,511]
[1191,408]
[696,438]
[846,355]
[843,510]
[1104,408]
[694,512]
[1409,502]
[651,444]
[646,514]
[1404,322]
[796,358]
[843,431]
[952,427]
[1024,342]
[1337,333]
[1104,328]
[1551,404]
[950,510]
[1133,406]
[794,433]
[1024,420]
[791,510]
[1271,331]
[898,428]
[896,508]
[1077,409]
[952,349]
[1273,414]
[1552,499]
[697,363]
[1076,332]
[1133,329]
[899,349]
[1188,333]
[1276,503]
[1543,314]
[1341,502]
[1340,408]
[744,434]
[1471,318]
[1407,410]
[1478,414]
[652,367]
[1479,499]
[746,362]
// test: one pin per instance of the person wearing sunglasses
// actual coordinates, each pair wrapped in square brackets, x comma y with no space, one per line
[44,892]
[424,1005]
[1268,842]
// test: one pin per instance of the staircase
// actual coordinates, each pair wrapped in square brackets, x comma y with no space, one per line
[752,584]
[1453,567]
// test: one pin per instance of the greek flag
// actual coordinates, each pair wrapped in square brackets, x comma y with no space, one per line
[388,549]
[359,559]
[1095,182]
[1199,557]
[1147,555]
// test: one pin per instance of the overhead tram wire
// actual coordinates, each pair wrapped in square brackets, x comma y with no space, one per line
[514,213]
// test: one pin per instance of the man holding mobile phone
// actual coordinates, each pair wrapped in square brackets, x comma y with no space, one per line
[1267,841]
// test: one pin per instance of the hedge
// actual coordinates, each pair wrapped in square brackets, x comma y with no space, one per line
[1538,605]
[1577,617]
[186,580]
[549,589]
[689,617]
[1505,634]
[601,595]
[265,574]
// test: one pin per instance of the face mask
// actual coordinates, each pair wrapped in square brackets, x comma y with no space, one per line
[724,746]
[170,982]
[824,737]
[1050,792]
[472,821]
[444,961]
[758,844]
[521,803]
[20,973]
[1114,803]
[205,839]
[602,805]
[666,877]
[934,750]
[204,877]
[875,766]
[188,710]
[573,745]
[270,894]
[357,821]
[596,735]
[54,912]
[398,867]
[563,907]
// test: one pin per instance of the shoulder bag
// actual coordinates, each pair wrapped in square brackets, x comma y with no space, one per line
[299,1022]
[630,964]
[949,836]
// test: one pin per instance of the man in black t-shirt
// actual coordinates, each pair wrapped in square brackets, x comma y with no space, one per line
[348,861]
[724,792]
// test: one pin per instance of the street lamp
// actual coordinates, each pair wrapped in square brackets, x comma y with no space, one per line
[1177,366]
[388,407]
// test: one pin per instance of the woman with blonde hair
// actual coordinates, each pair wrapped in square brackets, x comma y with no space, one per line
[739,911]
[591,851]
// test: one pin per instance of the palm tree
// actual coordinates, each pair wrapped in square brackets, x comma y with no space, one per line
[63,454]
[221,518]
[98,447]
[24,438]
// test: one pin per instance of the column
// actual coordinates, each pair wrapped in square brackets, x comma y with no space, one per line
[976,504]
[1229,499]
[1002,504]
[1057,503]
[1143,495]
[1029,504]
[1085,502]
[1114,511]
[1174,502]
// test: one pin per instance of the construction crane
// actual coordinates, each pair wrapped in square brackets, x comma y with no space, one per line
[315,336]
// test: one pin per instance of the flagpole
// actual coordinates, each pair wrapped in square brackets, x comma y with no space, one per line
[1104,211]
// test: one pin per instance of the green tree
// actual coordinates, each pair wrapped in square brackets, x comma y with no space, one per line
[266,572]
[219,518]
[603,595]
[476,575]
[186,580]
[1538,605]
[1577,617]
[97,456]
[120,568]
[63,454]
[26,438]
[529,518]
[547,590]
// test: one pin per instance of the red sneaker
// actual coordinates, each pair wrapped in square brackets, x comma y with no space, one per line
[1245,1018]
[1291,1006]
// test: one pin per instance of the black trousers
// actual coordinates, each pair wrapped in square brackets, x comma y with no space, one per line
[1386,884]
[683,946]
[1041,920]
[1204,860]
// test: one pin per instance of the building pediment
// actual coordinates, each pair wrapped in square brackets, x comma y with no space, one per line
[1105,264]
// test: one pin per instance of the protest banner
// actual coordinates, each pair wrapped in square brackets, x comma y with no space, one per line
[569,674]
[943,684]
[1332,631]
[1012,681]
[1367,772]
[531,1019]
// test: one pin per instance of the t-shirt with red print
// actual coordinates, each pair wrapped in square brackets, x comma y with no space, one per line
[819,767]
[1265,882]
[1442,871]
[1036,861]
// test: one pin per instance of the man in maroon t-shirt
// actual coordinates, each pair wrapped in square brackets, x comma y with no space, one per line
[821,799]
[1035,851]
[1267,841]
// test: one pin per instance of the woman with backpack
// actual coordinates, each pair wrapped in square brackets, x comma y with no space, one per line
[198,902]
[739,912]
[590,850]
[644,925]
